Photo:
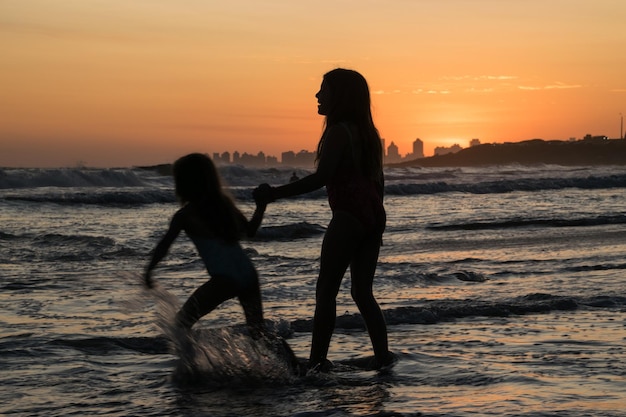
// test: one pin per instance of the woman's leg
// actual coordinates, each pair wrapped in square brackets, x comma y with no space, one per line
[204,300]
[337,248]
[362,271]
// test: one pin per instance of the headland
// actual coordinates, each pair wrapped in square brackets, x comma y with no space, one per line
[531,152]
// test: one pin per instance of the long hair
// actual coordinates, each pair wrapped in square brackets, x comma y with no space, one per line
[197,182]
[351,103]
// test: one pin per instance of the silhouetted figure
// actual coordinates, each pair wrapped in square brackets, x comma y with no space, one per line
[294,177]
[349,164]
[215,225]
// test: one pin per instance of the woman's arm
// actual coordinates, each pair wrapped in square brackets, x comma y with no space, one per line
[305,185]
[336,141]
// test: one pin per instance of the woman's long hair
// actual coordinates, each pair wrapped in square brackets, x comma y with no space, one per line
[351,103]
[197,182]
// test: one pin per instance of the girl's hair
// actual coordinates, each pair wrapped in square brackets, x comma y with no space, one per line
[197,182]
[350,102]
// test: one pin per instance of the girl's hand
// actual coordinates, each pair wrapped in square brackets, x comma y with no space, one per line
[148,280]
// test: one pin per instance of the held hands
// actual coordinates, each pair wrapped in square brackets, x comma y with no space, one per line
[263,194]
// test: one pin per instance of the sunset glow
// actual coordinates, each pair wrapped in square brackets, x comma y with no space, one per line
[118,83]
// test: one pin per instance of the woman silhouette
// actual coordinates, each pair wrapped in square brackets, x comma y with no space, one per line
[349,164]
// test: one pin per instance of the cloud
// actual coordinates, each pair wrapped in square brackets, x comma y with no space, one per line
[479,90]
[478,77]
[430,91]
[382,92]
[479,84]
[555,86]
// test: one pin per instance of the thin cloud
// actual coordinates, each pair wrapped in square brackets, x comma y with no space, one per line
[484,85]
[555,86]
[479,90]
[382,92]
[478,77]
[430,91]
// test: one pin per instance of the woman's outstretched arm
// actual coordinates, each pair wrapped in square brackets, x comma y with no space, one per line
[336,142]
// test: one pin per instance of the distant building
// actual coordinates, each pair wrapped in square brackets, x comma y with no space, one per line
[288,158]
[598,138]
[418,149]
[443,150]
[223,158]
[393,155]
[247,159]
[303,159]
[271,161]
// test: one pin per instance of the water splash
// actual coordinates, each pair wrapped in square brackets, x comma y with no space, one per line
[221,356]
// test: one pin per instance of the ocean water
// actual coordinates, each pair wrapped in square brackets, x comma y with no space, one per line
[503,289]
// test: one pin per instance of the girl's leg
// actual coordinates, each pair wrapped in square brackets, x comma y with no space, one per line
[337,248]
[252,305]
[204,300]
[253,309]
[362,270]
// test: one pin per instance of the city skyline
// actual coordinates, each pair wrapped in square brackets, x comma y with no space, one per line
[391,154]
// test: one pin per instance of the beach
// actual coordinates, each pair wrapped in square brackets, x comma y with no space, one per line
[503,289]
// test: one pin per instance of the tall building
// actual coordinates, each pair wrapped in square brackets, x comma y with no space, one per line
[418,149]
[393,155]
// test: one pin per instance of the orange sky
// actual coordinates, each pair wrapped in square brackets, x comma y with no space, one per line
[122,83]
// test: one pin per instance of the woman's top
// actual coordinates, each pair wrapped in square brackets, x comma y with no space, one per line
[351,191]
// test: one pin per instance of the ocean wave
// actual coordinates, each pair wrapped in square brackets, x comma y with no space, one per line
[103,345]
[515,223]
[107,197]
[69,177]
[6,236]
[437,311]
[139,186]
[428,313]
[56,239]
[509,185]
